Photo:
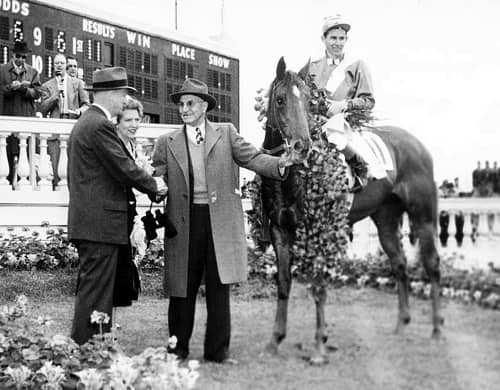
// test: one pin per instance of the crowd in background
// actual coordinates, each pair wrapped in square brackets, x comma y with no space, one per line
[485,183]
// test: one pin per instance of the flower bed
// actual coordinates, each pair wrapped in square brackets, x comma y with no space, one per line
[478,286]
[482,287]
[29,359]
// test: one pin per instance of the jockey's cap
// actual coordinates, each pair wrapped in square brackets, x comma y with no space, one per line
[337,21]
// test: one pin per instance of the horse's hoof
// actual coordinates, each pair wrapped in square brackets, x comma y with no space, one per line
[299,346]
[400,329]
[272,349]
[437,334]
[318,360]
[331,348]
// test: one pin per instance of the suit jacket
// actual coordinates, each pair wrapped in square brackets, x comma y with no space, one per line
[20,102]
[77,96]
[224,148]
[99,173]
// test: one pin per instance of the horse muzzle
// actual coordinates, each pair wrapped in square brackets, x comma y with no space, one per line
[300,149]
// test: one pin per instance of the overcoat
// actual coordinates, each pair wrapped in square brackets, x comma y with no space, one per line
[224,150]
[99,174]
[77,96]
[20,102]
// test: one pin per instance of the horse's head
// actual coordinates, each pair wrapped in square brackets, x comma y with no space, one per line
[287,111]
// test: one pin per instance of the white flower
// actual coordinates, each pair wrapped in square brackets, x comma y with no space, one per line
[122,373]
[91,378]
[193,364]
[59,339]
[53,374]
[19,375]
[382,281]
[477,295]
[362,280]
[98,317]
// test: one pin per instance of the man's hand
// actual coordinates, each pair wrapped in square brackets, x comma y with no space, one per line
[16,84]
[285,160]
[145,163]
[262,100]
[161,187]
[336,107]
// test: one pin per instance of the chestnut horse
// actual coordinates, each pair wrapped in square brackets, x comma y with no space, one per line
[410,189]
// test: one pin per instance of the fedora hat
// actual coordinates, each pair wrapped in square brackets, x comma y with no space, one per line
[336,21]
[197,88]
[110,78]
[20,47]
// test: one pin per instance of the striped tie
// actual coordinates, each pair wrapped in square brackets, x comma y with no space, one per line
[199,137]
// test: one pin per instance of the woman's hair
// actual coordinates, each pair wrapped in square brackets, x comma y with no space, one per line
[131,104]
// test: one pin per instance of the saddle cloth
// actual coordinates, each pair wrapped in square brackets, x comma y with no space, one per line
[374,151]
[369,145]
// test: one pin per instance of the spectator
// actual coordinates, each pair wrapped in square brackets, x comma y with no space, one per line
[72,67]
[20,87]
[496,178]
[487,180]
[476,179]
[62,97]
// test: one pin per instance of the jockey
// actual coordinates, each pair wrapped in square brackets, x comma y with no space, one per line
[349,87]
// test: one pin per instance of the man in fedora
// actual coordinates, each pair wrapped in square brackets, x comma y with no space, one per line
[19,88]
[100,172]
[199,162]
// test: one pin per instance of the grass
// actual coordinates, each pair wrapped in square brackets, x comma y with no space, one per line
[365,353]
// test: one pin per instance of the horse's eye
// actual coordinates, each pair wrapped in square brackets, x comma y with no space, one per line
[280,101]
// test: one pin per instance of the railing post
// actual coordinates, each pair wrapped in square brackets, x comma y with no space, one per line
[44,165]
[23,165]
[4,164]
[62,169]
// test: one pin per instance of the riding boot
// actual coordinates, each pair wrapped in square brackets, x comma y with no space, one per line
[358,166]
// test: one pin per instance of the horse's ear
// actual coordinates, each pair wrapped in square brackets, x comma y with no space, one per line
[281,69]
[304,72]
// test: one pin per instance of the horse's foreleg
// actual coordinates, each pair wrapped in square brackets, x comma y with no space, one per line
[320,356]
[430,259]
[281,243]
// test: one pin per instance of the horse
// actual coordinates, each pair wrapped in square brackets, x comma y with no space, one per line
[410,189]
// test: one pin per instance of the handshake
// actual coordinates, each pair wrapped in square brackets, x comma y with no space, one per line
[161,190]
[151,223]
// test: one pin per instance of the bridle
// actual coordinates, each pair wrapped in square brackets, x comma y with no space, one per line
[285,146]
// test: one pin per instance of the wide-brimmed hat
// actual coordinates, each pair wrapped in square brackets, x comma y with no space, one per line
[109,79]
[336,21]
[197,88]
[20,47]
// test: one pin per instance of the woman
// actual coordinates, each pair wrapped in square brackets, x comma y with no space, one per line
[127,283]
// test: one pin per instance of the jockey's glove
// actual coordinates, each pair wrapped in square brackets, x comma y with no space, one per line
[336,107]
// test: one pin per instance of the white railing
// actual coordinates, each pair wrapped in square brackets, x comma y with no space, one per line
[33,199]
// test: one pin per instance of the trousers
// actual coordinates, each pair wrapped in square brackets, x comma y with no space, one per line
[181,311]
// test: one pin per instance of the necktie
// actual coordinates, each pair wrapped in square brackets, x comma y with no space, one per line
[199,137]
